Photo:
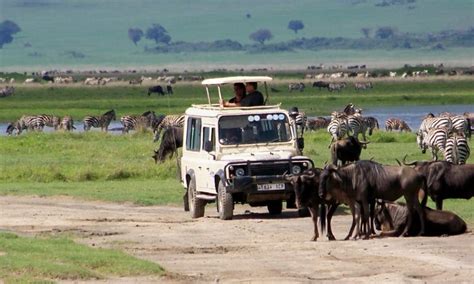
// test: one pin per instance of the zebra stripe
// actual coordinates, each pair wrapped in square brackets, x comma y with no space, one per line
[67,123]
[338,128]
[457,150]
[49,120]
[102,121]
[356,126]
[176,120]
[396,124]
[431,122]
[435,139]
[29,122]
[131,122]
[371,123]
[461,125]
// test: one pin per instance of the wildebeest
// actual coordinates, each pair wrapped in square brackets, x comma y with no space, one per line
[321,84]
[156,89]
[306,187]
[48,78]
[391,218]
[346,150]
[169,89]
[317,123]
[360,183]
[445,180]
[170,142]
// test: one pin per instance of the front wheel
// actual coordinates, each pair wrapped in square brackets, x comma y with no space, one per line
[196,205]
[225,203]
[275,207]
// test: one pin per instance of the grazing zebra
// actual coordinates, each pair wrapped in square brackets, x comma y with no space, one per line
[363,86]
[435,139]
[6,91]
[371,123]
[29,122]
[131,122]
[357,126]
[396,124]
[102,121]
[296,86]
[461,125]
[430,121]
[12,127]
[457,150]
[49,120]
[176,120]
[317,123]
[336,86]
[338,128]
[67,123]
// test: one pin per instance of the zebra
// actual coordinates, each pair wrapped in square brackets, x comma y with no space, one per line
[461,125]
[434,139]
[176,120]
[102,121]
[396,124]
[457,149]
[29,122]
[336,86]
[357,126]
[7,91]
[67,123]
[50,120]
[371,123]
[430,121]
[131,122]
[337,128]
[296,86]
[363,86]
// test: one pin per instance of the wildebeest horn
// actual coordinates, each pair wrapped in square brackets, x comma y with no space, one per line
[398,162]
[407,164]
[371,159]
[364,142]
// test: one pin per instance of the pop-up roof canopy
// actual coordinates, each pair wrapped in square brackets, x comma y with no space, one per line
[236,79]
[231,80]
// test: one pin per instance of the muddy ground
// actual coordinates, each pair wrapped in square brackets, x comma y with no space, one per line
[253,247]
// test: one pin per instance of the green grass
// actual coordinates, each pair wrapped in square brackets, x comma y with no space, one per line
[48,259]
[81,101]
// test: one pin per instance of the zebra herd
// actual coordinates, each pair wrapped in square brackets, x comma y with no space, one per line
[447,134]
[129,122]
[330,86]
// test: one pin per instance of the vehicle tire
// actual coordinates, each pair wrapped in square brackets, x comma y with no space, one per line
[275,207]
[225,203]
[196,205]
[186,201]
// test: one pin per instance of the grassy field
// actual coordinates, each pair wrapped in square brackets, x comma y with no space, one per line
[79,101]
[46,259]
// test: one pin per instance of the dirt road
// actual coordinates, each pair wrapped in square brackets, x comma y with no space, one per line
[253,247]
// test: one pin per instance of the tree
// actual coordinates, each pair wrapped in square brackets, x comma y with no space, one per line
[261,36]
[158,33]
[366,32]
[385,32]
[135,35]
[295,25]
[7,30]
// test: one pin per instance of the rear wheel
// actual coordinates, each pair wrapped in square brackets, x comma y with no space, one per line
[275,207]
[225,203]
[196,205]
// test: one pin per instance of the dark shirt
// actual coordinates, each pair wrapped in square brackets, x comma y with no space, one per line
[234,100]
[253,99]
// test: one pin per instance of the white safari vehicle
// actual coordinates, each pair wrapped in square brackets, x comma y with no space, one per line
[239,154]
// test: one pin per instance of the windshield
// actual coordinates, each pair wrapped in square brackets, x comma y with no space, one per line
[255,128]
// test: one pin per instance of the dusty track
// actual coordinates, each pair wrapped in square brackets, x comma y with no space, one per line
[253,247]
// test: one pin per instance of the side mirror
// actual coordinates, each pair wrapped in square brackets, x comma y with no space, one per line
[208,147]
[300,143]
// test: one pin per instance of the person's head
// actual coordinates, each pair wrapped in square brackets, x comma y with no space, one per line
[239,90]
[251,87]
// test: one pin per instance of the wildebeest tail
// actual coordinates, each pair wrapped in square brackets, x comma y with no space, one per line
[322,217]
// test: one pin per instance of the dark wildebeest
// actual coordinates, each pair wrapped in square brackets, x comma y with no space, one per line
[306,187]
[170,142]
[346,150]
[391,218]
[169,89]
[321,84]
[156,89]
[445,180]
[48,78]
[364,181]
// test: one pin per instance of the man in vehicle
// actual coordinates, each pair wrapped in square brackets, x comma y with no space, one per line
[254,97]
[239,91]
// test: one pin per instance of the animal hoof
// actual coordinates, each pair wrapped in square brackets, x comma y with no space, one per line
[331,238]
[314,239]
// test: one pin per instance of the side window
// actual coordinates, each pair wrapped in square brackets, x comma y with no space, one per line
[208,134]
[193,134]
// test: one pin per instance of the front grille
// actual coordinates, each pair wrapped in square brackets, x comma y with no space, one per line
[274,169]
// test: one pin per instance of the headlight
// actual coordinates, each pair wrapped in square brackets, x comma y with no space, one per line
[296,169]
[239,172]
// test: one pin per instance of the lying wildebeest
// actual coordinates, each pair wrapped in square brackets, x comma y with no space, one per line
[306,187]
[445,180]
[364,181]
[156,89]
[170,142]
[391,218]
[346,150]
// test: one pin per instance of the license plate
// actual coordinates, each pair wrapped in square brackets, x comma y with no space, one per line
[271,186]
